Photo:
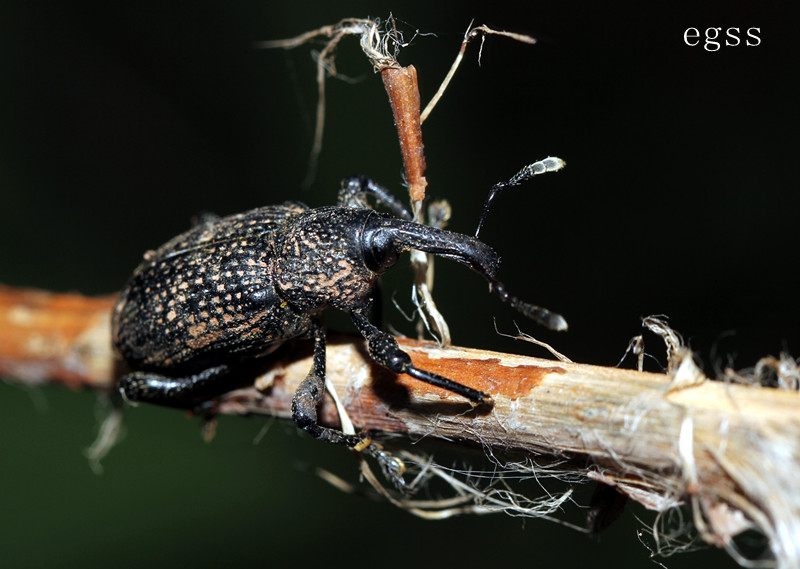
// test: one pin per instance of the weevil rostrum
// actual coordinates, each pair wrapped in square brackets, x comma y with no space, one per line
[232,289]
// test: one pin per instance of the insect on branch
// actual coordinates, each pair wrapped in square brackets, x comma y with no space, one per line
[728,452]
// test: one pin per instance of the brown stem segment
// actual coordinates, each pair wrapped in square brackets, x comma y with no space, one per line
[401,86]
[47,336]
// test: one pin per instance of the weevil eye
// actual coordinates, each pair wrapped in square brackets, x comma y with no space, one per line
[378,246]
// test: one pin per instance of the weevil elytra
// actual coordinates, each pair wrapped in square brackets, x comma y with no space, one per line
[232,289]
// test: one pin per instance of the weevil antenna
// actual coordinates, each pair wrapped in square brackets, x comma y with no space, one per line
[541,315]
[549,164]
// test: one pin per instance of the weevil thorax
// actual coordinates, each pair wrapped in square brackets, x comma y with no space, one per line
[320,262]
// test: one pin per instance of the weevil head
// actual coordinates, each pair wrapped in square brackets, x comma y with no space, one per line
[385,238]
[333,256]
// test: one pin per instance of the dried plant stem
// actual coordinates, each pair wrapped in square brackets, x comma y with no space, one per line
[732,451]
[326,64]
[469,35]
[401,86]
[403,91]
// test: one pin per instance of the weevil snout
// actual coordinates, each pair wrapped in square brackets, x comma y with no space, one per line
[385,238]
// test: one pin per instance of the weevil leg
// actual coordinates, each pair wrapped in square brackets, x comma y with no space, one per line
[356,188]
[310,393]
[184,392]
[304,412]
[384,349]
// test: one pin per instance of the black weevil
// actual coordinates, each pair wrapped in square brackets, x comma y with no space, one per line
[233,289]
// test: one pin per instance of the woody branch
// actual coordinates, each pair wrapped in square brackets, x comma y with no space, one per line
[708,443]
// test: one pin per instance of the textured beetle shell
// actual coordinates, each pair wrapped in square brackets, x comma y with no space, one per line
[207,296]
[320,261]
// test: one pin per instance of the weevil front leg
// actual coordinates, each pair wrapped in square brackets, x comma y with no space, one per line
[384,349]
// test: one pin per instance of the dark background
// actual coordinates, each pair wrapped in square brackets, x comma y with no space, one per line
[119,123]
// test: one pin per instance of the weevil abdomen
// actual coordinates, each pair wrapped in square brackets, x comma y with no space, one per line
[207,296]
